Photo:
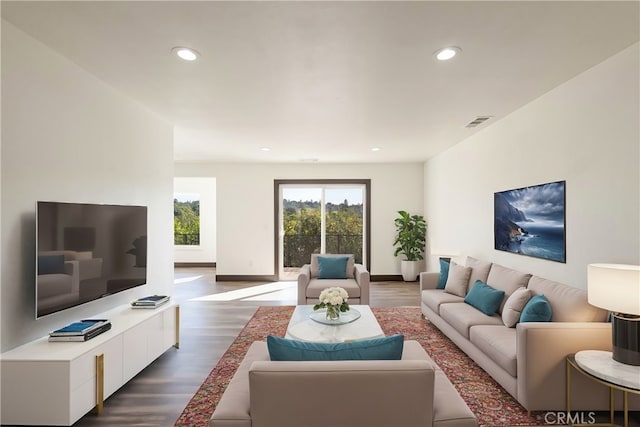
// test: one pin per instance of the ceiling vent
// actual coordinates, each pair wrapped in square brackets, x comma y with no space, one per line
[478,121]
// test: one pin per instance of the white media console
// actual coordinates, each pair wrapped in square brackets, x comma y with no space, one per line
[56,383]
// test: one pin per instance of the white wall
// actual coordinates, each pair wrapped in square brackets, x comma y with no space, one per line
[66,136]
[206,189]
[586,132]
[245,221]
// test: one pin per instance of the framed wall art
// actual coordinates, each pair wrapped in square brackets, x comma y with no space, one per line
[531,221]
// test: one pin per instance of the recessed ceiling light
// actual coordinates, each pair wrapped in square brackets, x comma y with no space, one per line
[375,149]
[265,149]
[447,53]
[185,53]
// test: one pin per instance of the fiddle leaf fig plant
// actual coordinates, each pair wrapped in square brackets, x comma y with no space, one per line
[411,236]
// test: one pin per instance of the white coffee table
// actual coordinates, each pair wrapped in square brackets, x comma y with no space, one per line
[302,328]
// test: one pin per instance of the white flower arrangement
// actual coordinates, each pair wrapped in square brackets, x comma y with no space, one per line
[334,300]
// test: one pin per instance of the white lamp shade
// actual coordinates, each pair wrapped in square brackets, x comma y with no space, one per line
[614,287]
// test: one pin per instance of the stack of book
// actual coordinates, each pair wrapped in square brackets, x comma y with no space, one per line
[152,301]
[81,331]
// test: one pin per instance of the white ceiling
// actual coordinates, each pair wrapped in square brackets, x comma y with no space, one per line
[329,80]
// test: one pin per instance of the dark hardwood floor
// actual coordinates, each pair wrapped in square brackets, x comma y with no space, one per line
[211,315]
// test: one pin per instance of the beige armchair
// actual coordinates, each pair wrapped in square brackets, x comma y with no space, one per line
[356,282]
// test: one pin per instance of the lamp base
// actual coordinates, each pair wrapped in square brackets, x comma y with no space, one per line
[626,339]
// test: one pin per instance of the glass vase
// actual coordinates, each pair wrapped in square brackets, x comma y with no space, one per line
[333,312]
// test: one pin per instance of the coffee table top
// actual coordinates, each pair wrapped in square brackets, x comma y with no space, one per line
[302,328]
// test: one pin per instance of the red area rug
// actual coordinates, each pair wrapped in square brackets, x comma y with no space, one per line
[491,404]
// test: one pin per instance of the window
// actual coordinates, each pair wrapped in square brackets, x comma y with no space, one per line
[186,219]
[326,216]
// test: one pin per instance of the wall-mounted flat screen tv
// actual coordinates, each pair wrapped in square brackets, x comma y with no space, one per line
[87,251]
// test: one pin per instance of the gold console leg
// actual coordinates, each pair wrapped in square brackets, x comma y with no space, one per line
[99,383]
[612,406]
[625,408]
[568,386]
[177,344]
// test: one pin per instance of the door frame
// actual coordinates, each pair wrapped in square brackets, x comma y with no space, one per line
[276,212]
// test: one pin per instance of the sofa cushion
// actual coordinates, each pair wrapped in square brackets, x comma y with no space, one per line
[457,280]
[315,269]
[484,298]
[568,304]
[514,305]
[334,267]
[433,298]
[461,317]
[318,285]
[52,285]
[497,342]
[444,273]
[537,309]
[387,348]
[507,280]
[479,270]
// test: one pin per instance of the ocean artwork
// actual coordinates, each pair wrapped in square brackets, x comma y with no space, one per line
[531,221]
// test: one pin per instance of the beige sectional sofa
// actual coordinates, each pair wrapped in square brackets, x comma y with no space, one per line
[412,392]
[528,360]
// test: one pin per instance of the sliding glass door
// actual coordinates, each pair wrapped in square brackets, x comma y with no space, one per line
[320,217]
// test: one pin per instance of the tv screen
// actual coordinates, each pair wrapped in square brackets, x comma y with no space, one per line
[86,252]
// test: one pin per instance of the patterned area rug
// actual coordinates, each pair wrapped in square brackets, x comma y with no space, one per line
[491,404]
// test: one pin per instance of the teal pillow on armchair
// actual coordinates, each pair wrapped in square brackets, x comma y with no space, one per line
[332,267]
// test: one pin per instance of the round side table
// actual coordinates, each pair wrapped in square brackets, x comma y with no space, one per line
[599,366]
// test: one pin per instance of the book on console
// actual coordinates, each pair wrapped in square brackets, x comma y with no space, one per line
[150,301]
[80,328]
[84,337]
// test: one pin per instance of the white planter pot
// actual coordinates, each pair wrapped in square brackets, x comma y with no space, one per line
[411,269]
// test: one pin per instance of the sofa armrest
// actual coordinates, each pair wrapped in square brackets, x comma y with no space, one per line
[429,280]
[541,351]
[361,275]
[73,269]
[304,276]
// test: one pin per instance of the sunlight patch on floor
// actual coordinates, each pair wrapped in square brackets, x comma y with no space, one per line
[186,279]
[269,291]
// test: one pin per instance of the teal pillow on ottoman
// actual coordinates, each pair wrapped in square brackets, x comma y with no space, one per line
[387,348]
[444,273]
[537,309]
[332,267]
[484,298]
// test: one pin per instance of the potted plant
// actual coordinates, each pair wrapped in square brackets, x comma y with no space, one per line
[410,242]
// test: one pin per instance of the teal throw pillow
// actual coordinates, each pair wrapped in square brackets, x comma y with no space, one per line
[484,298]
[387,348]
[332,267]
[444,273]
[537,309]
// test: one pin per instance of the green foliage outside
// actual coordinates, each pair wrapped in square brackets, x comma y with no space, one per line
[186,222]
[302,229]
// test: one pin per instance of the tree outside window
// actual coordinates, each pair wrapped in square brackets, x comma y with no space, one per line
[186,219]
